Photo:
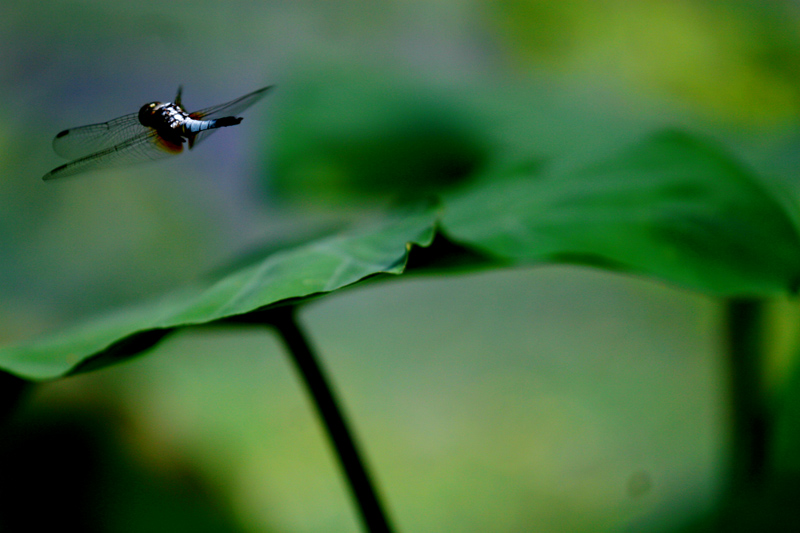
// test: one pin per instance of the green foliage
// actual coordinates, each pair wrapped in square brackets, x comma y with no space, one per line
[671,207]
[457,106]
[309,270]
[344,142]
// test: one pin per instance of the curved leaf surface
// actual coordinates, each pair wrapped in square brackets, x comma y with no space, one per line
[319,267]
[671,207]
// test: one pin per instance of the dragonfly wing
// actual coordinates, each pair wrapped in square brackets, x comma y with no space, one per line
[232,108]
[146,146]
[76,143]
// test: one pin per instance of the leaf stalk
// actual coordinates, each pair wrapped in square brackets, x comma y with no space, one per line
[373,517]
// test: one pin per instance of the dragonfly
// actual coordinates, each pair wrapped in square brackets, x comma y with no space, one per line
[156,131]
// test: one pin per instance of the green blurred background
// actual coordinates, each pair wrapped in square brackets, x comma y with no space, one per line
[549,399]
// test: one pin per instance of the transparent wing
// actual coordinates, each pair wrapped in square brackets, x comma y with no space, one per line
[232,108]
[78,142]
[145,146]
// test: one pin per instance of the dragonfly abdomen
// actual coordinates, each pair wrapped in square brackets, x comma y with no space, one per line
[191,125]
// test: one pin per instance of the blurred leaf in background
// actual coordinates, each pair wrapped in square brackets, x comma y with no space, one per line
[369,139]
[734,62]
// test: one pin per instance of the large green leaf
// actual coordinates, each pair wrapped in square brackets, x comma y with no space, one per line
[671,207]
[319,267]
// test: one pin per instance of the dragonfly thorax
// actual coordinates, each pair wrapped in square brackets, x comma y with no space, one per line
[176,125]
[162,117]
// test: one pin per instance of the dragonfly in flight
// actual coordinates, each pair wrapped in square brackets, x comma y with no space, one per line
[157,130]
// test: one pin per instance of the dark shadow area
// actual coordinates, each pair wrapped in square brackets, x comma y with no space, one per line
[12,391]
[70,470]
[445,255]
[131,346]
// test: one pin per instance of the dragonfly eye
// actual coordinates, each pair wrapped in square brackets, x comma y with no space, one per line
[147,113]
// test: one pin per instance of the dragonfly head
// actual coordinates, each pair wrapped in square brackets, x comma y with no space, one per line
[147,113]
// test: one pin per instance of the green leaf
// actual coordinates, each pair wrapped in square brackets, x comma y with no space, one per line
[671,207]
[320,267]
[345,137]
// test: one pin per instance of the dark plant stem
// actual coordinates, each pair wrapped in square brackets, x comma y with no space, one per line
[751,424]
[372,514]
